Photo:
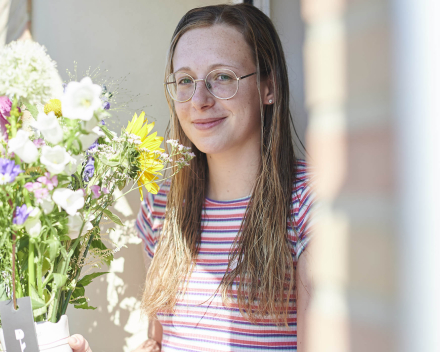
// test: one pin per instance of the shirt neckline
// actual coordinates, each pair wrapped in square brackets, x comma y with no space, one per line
[238,200]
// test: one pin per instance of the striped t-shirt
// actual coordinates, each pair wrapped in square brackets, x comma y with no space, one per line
[200,321]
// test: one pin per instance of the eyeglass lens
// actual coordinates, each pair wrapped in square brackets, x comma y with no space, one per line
[221,83]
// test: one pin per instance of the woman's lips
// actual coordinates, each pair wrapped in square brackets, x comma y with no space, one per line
[206,124]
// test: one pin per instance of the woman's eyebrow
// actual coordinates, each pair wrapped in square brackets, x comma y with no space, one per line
[211,67]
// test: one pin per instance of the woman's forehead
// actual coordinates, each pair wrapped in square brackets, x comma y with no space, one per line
[207,46]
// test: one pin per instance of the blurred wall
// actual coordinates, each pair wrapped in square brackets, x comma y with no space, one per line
[130,39]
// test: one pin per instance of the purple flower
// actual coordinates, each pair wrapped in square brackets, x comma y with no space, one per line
[89,169]
[8,171]
[94,145]
[106,105]
[5,110]
[21,214]
[103,122]
[39,142]
[96,191]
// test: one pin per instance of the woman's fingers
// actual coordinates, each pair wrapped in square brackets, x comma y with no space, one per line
[148,346]
[79,344]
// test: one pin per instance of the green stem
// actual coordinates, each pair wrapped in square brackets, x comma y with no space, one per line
[31,266]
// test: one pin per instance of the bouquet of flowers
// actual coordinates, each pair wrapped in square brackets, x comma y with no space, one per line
[58,175]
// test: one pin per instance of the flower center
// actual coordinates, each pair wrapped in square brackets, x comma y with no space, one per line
[86,102]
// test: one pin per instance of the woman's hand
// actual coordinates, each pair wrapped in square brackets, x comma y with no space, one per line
[79,344]
[148,346]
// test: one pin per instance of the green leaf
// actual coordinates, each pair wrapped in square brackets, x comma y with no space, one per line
[107,162]
[39,311]
[37,301]
[113,217]
[107,132]
[59,279]
[53,247]
[84,305]
[79,291]
[3,295]
[88,278]
[31,108]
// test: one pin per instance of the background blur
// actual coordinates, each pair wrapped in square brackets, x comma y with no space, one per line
[364,77]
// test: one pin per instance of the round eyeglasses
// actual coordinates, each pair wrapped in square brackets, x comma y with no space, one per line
[221,83]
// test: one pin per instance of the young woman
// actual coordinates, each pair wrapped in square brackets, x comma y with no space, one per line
[227,234]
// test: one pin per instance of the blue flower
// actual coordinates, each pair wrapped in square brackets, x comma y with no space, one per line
[21,214]
[8,171]
[106,105]
[89,169]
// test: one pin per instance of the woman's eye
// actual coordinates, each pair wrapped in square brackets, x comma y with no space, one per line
[185,80]
[223,77]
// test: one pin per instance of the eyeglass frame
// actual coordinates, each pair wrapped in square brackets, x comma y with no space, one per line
[206,84]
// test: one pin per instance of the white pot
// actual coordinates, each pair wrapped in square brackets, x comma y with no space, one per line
[52,337]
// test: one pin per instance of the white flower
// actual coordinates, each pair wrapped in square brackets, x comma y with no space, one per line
[80,100]
[47,205]
[23,147]
[74,163]
[90,125]
[33,223]
[87,140]
[49,126]
[33,226]
[70,201]
[27,72]
[75,223]
[54,158]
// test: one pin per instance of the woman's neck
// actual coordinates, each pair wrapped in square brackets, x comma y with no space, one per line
[232,174]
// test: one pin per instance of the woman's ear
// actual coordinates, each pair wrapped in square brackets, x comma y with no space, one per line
[268,91]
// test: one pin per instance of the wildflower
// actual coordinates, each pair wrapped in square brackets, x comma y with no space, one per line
[23,147]
[74,225]
[33,223]
[27,72]
[105,190]
[74,162]
[96,191]
[21,214]
[87,140]
[49,127]
[89,169]
[149,162]
[49,182]
[106,105]
[54,158]
[46,204]
[71,201]
[8,171]
[5,109]
[81,99]
[39,142]
[54,105]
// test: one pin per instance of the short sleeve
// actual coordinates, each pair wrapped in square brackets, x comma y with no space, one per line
[303,200]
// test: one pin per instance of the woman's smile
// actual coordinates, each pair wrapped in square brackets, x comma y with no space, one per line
[207,123]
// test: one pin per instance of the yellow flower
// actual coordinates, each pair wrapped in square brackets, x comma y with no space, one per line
[55,106]
[150,163]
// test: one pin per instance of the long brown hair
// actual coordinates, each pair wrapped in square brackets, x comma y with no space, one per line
[261,267]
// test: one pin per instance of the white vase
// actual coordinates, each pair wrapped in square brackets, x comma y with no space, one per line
[52,337]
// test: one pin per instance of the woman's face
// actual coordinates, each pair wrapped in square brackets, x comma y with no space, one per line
[215,125]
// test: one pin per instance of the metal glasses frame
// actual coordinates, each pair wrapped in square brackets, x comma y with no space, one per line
[206,84]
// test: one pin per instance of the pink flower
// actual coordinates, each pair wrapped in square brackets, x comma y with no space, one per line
[41,193]
[105,190]
[5,109]
[32,187]
[39,142]
[96,191]
[50,183]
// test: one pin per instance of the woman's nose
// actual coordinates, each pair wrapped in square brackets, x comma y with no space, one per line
[202,98]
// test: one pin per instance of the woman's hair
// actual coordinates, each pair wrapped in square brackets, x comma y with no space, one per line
[261,267]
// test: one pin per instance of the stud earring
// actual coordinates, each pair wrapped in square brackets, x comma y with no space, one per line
[270,101]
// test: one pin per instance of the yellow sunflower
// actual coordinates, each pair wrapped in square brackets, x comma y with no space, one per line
[149,161]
